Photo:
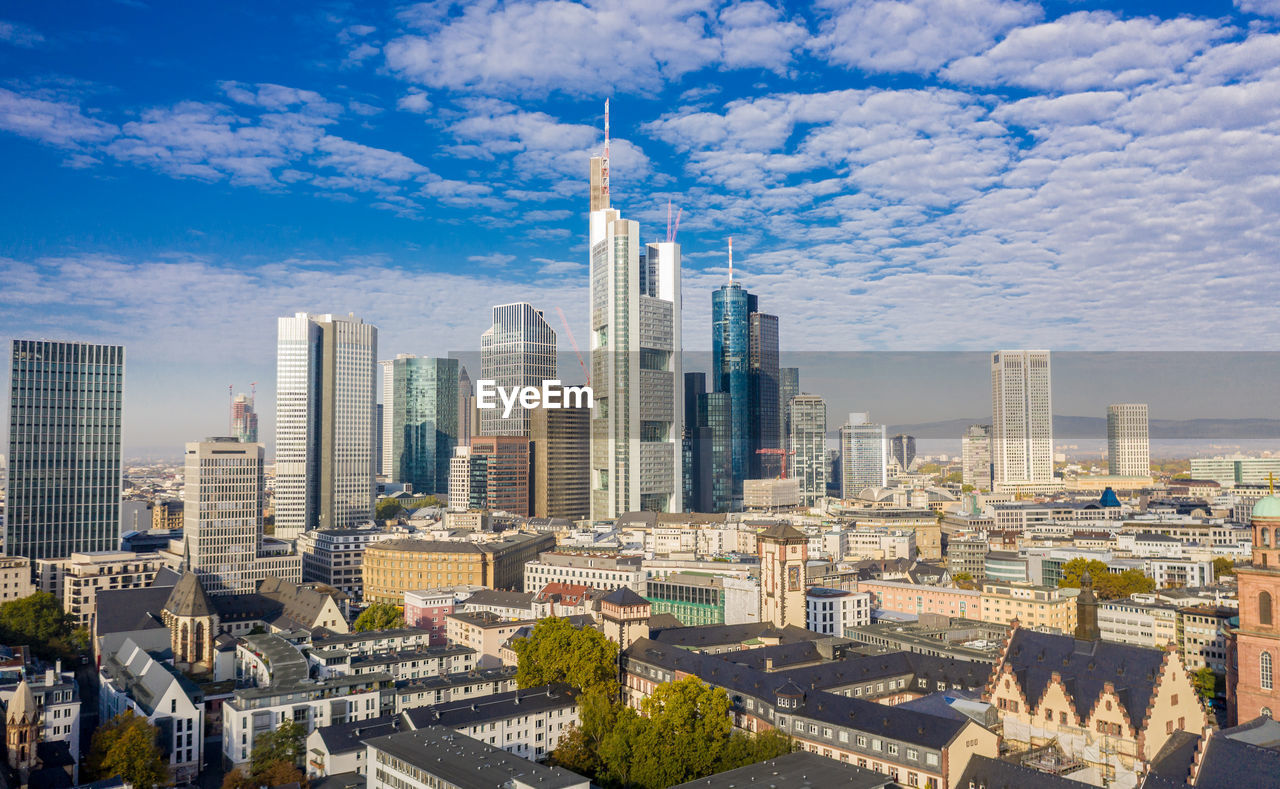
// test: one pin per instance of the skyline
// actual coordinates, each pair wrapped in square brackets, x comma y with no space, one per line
[916,211]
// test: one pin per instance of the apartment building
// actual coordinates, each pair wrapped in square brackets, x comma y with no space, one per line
[916,599]
[438,756]
[605,573]
[1044,608]
[85,574]
[832,611]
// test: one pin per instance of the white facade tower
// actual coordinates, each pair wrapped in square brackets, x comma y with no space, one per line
[1128,440]
[1021,420]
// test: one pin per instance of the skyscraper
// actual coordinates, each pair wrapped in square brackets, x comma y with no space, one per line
[1128,440]
[762,367]
[244,420]
[696,464]
[63,478]
[788,387]
[561,454]
[902,449]
[507,465]
[730,337]
[518,350]
[1021,419]
[808,417]
[420,420]
[466,407]
[863,456]
[715,412]
[222,498]
[975,457]
[636,428]
[326,401]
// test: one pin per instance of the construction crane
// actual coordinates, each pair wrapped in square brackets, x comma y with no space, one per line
[574,343]
[781,452]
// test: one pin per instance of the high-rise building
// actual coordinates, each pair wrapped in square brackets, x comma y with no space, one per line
[466,408]
[902,449]
[765,420]
[788,387]
[222,530]
[326,398]
[636,429]
[730,337]
[715,411]
[244,420]
[1128,440]
[975,457]
[696,464]
[518,350]
[1021,419]
[561,455]
[863,456]
[808,417]
[63,474]
[505,466]
[381,469]
[420,420]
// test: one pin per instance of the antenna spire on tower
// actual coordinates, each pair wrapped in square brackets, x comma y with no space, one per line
[731,258]
[604,170]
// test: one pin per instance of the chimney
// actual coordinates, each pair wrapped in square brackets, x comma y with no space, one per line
[49,677]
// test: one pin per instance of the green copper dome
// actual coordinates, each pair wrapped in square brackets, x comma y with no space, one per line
[1267,507]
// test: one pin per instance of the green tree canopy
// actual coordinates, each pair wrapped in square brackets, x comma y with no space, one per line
[127,746]
[964,580]
[1106,585]
[283,745]
[379,616]
[39,622]
[1205,682]
[387,509]
[1223,566]
[556,651]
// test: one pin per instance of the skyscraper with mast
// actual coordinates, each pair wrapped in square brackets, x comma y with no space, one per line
[637,422]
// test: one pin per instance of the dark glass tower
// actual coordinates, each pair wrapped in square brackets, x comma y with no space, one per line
[762,370]
[696,447]
[65,402]
[714,411]
[730,360]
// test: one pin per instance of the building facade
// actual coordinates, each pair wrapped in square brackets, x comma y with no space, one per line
[63,472]
[244,420]
[863,456]
[393,567]
[808,419]
[326,403]
[1253,646]
[975,457]
[500,474]
[783,553]
[561,482]
[605,573]
[1044,608]
[831,611]
[1021,419]
[518,350]
[419,421]
[335,557]
[1128,440]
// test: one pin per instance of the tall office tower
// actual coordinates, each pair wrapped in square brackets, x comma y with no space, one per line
[1128,440]
[636,425]
[460,499]
[902,449]
[420,423]
[326,398]
[466,406]
[63,477]
[762,367]
[715,411]
[730,360]
[223,501]
[518,350]
[1021,418]
[506,463]
[381,469]
[808,417]
[561,455]
[788,387]
[975,457]
[863,456]
[696,463]
[244,420]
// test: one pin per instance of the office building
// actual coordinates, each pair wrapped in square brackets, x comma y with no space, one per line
[420,420]
[902,449]
[808,417]
[975,457]
[1045,608]
[561,439]
[636,430]
[598,572]
[863,456]
[63,478]
[223,502]
[244,420]
[518,350]
[335,557]
[468,414]
[1238,470]
[764,418]
[1021,419]
[393,567]
[696,464]
[832,611]
[326,399]
[499,471]
[85,574]
[730,332]
[788,387]
[1128,440]
[715,412]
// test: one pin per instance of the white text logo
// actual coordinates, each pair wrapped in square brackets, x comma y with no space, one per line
[550,395]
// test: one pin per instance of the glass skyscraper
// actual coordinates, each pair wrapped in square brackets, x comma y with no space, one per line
[65,403]
[420,420]
[808,416]
[763,379]
[863,456]
[731,307]
[519,349]
[788,387]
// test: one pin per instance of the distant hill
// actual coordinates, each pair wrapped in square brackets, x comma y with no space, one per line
[1065,427]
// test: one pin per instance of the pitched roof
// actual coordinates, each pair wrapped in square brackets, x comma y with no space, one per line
[188,598]
[1085,666]
[1243,757]
[720,635]
[796,770]
[624,596]
[130,610]
[983,772]
[302,604]
[782,531]
[22,706]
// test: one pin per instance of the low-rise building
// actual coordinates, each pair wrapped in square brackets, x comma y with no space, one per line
[1202,636]
[57,701]
[605,573]
[85,574]
[1150,625]
[484,632]
[692,598]
[437,756]
[15,578]
[833,611]
[336,557]
[917,599]
[393,567]
[427,608]
[1036,607]
[968,555]
[472,684]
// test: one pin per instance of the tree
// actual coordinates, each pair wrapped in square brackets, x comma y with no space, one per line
[39,622]
[964,580]
[556,651]
[387,509]
[284,744]
[379,616]
[1223,566]
[1205,682]
[126,746]
[1106,585]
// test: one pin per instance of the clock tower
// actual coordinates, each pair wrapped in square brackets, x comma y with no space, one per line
[783,554]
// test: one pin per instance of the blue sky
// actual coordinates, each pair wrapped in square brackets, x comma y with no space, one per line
[910,175]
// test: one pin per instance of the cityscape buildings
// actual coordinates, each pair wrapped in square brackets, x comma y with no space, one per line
[1128,440]
[1021,420]
[808,417]
[561,440]
[863,456]
[420,420]
[518,350]
[326,398]
[902,449]
[63,473]
[244,420]
[975,457]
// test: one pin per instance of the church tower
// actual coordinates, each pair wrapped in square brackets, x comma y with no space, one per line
[193,624]
[1253,646]
[22,731]
[625,616]
[1087,611]
[783,553]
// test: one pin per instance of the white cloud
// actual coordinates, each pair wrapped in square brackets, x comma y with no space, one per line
[755,34]
[1259,7]
[19,35]
[492,259]
[414,101]
[51,120]
[914,35]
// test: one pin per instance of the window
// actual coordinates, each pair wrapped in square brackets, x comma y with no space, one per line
[1264,608]
[892,748]
[1264,670]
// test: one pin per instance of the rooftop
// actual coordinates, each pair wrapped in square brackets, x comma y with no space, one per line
[799,770]
[468,763]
